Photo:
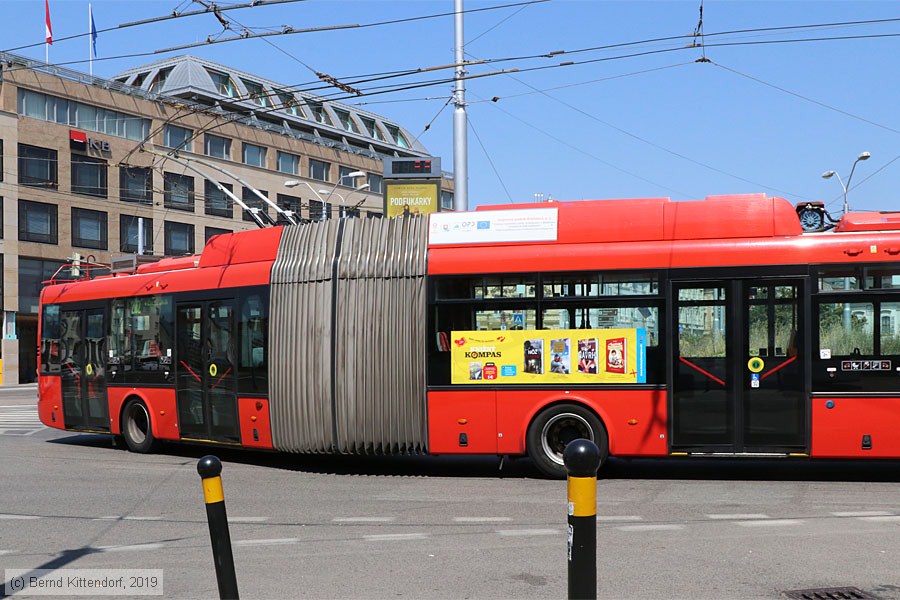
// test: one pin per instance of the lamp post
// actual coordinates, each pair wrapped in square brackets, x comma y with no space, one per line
[350,175]
[847,317]
[829,174]
[344,206]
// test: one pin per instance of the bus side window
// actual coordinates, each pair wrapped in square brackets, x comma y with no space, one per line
[253,371]
[50,339]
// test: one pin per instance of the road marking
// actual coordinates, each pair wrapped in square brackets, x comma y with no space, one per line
[247,519]
[661,527]
[769,523]
[881,519]
[268,542]
[863,513]
[143,518]
[19,517]
[525,532]
[19,420]
[738,517]
[392,537]
[482,519]
[2,552]
[362,519]
[129,548]
[618,518]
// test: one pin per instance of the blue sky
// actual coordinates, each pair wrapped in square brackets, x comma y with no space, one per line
[761,117]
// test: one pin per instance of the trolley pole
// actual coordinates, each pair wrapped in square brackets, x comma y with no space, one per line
[210,470]
[582,459]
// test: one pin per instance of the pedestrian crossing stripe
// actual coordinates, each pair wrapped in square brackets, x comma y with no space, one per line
[19,420]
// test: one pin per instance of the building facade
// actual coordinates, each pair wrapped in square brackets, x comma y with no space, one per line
[84,160]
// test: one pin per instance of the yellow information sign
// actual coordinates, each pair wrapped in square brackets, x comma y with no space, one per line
[549,356]
[213,370]
[756,364]
[404,199]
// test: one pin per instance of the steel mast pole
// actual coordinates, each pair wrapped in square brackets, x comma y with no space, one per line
[460,123]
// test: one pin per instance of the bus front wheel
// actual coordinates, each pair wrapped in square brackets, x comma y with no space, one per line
[136,427]
[553,429]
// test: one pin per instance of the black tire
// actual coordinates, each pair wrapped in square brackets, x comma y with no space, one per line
[136,427]
[554,428]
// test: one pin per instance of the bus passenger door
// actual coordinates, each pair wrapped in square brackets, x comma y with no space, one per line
[205,370]
[83,369]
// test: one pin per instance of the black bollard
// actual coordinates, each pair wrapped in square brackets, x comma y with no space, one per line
[582,459]
[210,469]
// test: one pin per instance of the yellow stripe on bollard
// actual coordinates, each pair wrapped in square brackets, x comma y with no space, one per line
[212,490]
[583,496]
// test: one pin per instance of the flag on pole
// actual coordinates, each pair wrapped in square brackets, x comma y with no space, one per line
[93,31]
[49,30]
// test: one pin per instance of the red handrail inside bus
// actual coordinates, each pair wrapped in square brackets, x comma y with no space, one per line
[707,373]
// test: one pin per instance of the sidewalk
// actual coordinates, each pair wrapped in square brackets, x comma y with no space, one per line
[17,395]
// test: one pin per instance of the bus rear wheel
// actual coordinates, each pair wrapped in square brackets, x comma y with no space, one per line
[136,427]
[554,428]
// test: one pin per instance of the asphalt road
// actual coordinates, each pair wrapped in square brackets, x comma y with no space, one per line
[443,527]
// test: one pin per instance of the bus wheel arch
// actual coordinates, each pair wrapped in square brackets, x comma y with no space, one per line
[137,426]
[557,424]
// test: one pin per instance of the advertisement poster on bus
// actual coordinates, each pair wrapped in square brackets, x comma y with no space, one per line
[559,356]
[409,199]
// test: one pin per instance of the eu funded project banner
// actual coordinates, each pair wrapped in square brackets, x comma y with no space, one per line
[549,356]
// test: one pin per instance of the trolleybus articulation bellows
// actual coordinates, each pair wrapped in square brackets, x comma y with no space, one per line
[655,328]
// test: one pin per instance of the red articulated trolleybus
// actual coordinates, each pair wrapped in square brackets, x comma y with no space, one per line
[655,328]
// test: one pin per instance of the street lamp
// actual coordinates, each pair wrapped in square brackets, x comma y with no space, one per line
[345,208]
[350,175]
[830,174]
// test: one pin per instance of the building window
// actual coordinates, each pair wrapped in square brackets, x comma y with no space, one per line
[128,234]
[32,274]
[319,170]
[319,211]
[1,160]
[89,228]
[372,129]
[136,184]
[139,79]
[224,84]
[348,212]
[213,231]
[84,116]
[319,114]
[37,167]
[89,176]
[344,176]
[178,191]
[396,136]
[446,200]
[256,93]
[375,182]
[37,222]
[217,146]
[288,163]
[374,215]
[216,201]
[254,201]
[159,81]
[346,121]
[289,104]
[254,155]
[179,238]
[289,203]
[177,137]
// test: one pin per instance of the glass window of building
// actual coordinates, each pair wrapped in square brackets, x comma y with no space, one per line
[179,238]
[160,81]
[288,203]
[320,170]
[254,201]
[374,215]
[139,79]
[84,116]
[375,182]
[289,104]
[136,184]
[254,155]
[288,163]
[178,191]
[319,211]
[32,273]
[38,167]
[346,120]
[214,231]
[396,136]
[256,93]
[224,84]
[446,200]
[344,176]
[349,212]
[177,137]
[37,222]
[128,234]
[372,128]
[89,228]
[217,146]
[217,202]
[319,114]
[89,176]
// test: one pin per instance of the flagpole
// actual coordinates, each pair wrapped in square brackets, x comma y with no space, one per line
[90,39]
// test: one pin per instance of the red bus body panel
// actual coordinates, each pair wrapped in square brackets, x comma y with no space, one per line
[253,416]
[50,402]
[838,432]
